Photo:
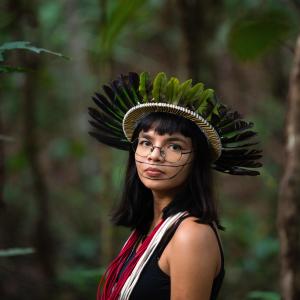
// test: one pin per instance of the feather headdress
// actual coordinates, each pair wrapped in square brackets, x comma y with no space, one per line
[129,98]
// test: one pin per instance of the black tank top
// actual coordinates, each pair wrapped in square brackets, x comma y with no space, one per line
[155,284]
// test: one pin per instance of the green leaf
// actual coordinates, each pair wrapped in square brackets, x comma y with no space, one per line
[254,34]
[16,252]
[25,46]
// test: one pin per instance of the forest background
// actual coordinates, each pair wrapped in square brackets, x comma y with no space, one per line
[58,185]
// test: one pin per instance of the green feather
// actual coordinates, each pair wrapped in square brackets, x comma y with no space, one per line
[178,92]
[183,89]
[159,86]
[172,89]
[194,93]
[208,93]
[144,78]
[202,102]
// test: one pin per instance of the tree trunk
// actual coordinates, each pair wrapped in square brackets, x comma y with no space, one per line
[107,231]
[198,22]
[43,237]
[289,194]
[24,23]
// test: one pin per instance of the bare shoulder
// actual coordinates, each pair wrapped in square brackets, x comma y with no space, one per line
[194,241]
[192,233]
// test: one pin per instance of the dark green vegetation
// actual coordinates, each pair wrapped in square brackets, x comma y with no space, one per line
[57,185]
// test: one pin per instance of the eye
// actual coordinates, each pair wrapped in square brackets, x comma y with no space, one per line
[174,147]
[145,143]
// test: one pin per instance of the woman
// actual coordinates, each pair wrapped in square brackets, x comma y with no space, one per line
[174,133]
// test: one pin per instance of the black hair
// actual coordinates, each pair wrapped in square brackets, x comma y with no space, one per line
[136,207]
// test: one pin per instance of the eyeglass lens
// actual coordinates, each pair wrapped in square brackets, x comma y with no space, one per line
[170,152]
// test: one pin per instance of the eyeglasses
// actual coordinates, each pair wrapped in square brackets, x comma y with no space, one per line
[171,152]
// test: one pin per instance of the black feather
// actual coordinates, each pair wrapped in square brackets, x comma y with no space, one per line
[238,137]
[238,152]
[110,141]
[134,80]
[222,110]
[110,93]
[243,162]
[129,91]
[208,108]
[228,118]
[114,99]
[215,118]
[235,126]
[107,107]
[101,117]
[121,93]
[237,159]
[105,127]
[238,146]
[235,170]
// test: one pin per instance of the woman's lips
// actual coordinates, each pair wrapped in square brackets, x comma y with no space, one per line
[153,172]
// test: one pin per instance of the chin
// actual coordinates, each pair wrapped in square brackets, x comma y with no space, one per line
[158,185]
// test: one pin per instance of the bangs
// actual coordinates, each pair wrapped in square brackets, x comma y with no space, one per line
[166,123]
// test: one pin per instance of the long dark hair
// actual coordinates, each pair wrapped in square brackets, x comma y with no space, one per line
[136,207]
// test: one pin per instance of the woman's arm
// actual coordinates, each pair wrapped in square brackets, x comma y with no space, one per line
[194,261]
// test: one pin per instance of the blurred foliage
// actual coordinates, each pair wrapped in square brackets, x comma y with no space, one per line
[263,295]
[84,178]
[259,31]
[258,27]
[80,281]
[119,14]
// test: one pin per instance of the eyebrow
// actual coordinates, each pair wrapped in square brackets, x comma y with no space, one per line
[170,139]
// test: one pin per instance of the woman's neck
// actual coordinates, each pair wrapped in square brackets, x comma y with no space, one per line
[160,201]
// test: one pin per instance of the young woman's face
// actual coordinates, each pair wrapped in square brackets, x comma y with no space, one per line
[163,162]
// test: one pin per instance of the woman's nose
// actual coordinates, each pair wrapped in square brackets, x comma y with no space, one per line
[156,154]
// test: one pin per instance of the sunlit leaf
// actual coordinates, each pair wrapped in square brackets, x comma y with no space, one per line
[257,32]
[16,252]
[25,46]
